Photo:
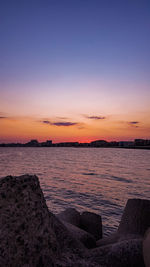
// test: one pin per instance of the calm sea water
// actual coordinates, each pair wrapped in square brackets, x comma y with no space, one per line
[99,180]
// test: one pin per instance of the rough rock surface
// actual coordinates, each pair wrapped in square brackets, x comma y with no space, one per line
[30,235]
[26,235]
[85,238]
[135,218]
[146,248]
[91,223]
[127,253]
[134,222]
[114,238]
[70,215]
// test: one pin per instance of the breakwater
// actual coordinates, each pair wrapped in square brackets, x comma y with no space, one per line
[31,235]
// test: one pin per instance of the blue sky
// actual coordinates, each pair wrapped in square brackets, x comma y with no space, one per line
[73,50]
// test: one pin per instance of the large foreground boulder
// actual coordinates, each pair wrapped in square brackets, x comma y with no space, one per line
[26,234]
[30,235]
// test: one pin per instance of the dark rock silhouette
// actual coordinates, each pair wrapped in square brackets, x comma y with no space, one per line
[29,232]
[87,221]
[127,253]
[92,223]
[146,248]
[113,238]
[30,235]
[70,215]
[85,238]
[26,235]
[134,222]
[135,218]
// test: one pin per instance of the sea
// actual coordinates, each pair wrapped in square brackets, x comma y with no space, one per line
[99,180]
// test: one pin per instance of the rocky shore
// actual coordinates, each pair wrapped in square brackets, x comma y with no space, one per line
[31,236]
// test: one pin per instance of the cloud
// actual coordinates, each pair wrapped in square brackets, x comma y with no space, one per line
[95,117]
[59,123]
[46,122]
[64,123]
[134,123]
[62,118]
[3,117]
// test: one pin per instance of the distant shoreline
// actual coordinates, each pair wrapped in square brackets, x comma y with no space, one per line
[136,144]
[14,146]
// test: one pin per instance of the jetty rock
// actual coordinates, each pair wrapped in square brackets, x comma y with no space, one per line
[32,236]
[84,237]
[71,216]
[92,223]
[135,218]
[88,221]
[146,248]
[134,222]
[127,253]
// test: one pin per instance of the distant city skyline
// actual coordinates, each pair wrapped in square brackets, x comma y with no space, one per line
[74,70]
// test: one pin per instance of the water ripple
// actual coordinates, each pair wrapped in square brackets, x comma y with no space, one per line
[96,180]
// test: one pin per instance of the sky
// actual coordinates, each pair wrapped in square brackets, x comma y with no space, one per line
[74,70]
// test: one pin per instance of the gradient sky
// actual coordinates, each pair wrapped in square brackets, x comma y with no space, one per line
[75,70]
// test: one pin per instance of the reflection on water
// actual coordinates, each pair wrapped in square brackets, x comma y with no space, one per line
[93,179]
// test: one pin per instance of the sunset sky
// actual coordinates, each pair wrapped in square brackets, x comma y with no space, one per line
[74,70]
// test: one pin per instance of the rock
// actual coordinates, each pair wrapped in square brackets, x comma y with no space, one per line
[26,234]
[70,215]
[30,235]
[127,253]
[87,239]
[146,248]
[107,240]
[91,223]
[135,218]
[114,238]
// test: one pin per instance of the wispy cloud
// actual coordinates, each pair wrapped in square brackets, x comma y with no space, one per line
[62,118]
[94,117]
[46,122]
[60,123]
[3,117]
[65,123]
[134,123]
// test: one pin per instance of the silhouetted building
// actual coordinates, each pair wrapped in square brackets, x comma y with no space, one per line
[68,144]
[99,143]
[126,144]
[48,143]
[32,143]
[113,144]
[141,142]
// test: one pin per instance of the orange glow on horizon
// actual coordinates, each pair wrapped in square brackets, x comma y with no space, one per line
[24,129]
